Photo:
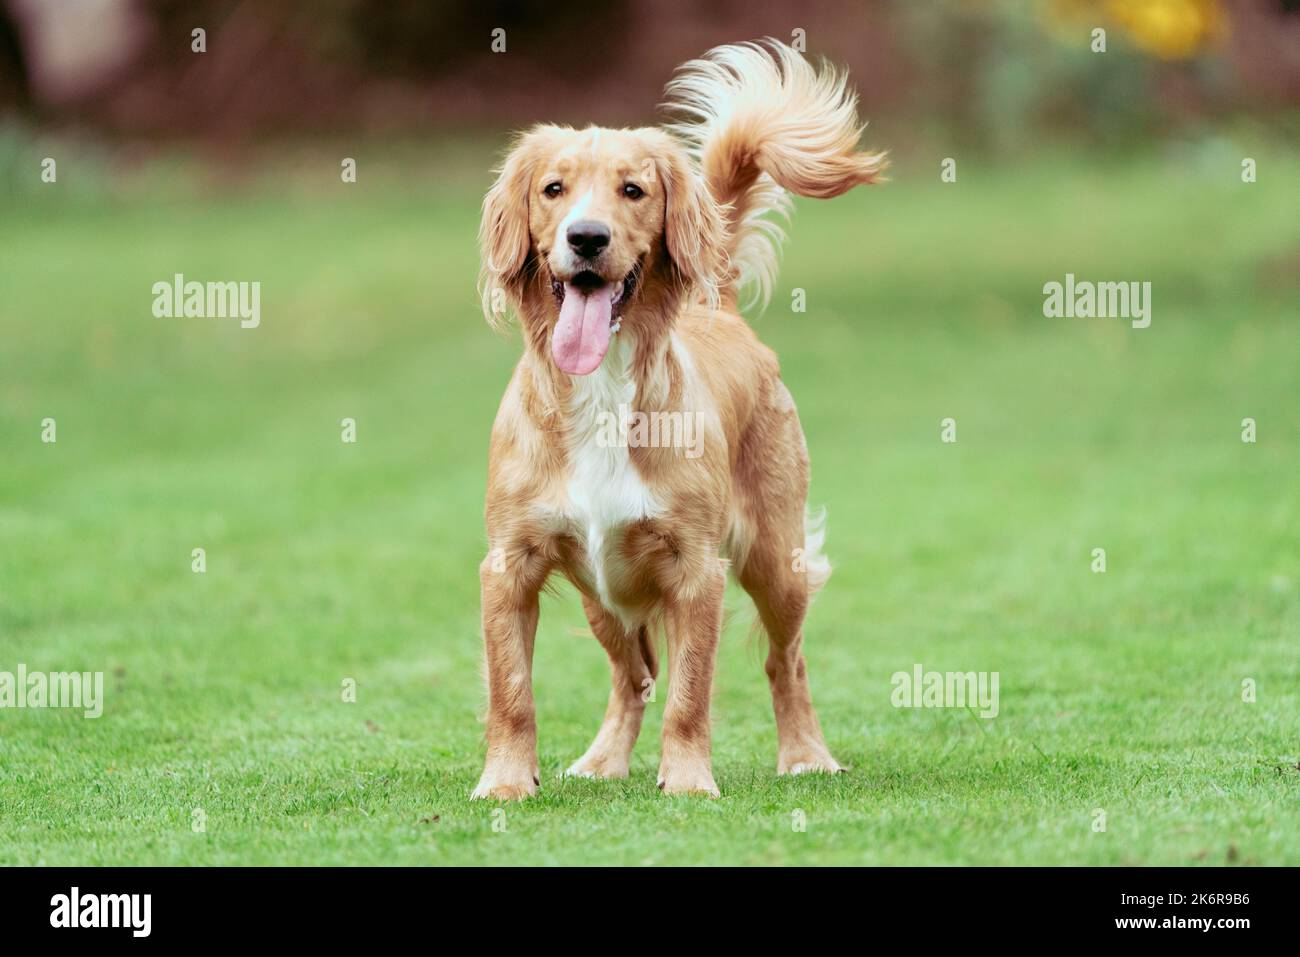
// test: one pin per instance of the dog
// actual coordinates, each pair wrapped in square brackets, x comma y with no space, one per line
[624,253]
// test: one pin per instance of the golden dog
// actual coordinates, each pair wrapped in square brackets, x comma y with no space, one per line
[623,253]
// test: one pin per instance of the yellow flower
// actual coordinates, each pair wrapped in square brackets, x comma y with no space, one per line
[1170,29]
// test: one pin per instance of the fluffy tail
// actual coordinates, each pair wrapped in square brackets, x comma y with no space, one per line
[761,120]
[816,565]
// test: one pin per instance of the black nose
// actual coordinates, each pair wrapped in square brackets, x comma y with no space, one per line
[588,238]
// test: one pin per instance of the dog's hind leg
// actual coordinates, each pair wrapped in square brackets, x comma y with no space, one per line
[782,567]
[781,596]
[633,668]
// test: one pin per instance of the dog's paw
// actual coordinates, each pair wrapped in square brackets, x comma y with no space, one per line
[505,787]
[691,779]
[817,761]
[597,766]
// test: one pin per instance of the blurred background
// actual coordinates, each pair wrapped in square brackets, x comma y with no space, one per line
[995,73]
[328,560]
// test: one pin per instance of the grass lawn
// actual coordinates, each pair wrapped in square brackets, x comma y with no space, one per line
[1119,692]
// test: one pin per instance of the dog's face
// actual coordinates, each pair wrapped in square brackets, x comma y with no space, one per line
[593,215]
[596,207]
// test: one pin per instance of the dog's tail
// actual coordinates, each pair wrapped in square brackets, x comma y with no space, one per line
[761,120]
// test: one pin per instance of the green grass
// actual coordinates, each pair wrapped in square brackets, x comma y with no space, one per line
[1119,691]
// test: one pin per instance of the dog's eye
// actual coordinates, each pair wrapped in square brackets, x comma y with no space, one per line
[553,190]
[633,191]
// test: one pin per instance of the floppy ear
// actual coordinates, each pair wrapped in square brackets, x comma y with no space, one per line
[503,234]
[695,232]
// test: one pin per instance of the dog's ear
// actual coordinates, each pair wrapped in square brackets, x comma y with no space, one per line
[503,235]
[695,232]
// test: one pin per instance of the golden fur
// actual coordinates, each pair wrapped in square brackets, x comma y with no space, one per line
[646,532]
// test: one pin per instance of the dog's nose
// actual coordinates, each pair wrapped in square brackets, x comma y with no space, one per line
[588,238]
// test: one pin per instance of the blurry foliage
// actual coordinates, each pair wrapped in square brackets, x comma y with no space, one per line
[1002,74]
[996,74]
[387,39]
[1171,29]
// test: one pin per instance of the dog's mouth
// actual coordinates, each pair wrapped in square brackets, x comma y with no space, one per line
[589,316]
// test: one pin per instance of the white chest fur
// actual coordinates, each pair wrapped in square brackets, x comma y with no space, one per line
[605,491]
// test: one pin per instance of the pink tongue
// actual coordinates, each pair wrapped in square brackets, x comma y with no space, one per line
[581,336]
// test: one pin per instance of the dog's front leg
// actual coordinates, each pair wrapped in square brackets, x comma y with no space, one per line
[509,604]
[694,623]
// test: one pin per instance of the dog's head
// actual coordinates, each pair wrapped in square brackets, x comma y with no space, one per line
[586,220]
